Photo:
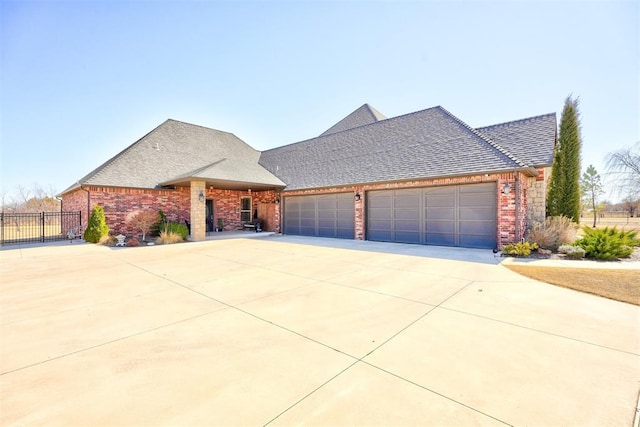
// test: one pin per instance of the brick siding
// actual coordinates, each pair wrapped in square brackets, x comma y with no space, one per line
[120,204]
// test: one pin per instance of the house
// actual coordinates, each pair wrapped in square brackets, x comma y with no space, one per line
[425,177]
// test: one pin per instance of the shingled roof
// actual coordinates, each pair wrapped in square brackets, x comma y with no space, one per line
[364,115]
[176,151]
[533,138]
[426,144]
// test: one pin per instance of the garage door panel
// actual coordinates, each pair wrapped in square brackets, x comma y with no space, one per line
[407,215]
[441,239]
[455,215]
[474,200]
[478,214]
[327,215]
[440,213]
[476,228]
[445,201]
[441,227]
[407,226]
[327,203]
[379,214]
[406,237]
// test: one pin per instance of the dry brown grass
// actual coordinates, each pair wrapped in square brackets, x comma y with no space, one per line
[621,223]
[620,285]
[168,237]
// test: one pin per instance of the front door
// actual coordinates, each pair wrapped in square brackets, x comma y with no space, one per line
[209,217]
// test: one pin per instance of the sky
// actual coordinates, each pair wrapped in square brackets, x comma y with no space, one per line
[82,80]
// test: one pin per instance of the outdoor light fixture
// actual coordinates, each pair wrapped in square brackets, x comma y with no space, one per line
[277,200]
[357,197]
[201,196]
[506,189]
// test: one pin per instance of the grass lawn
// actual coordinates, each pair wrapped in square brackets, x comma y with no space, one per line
[620,285]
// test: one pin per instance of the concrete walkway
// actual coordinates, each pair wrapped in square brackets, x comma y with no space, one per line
[284,330]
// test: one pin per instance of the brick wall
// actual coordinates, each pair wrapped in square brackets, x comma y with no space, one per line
[120,204]
[226,205]
[506,232]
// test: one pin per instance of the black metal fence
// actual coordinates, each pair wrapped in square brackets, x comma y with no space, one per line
[39,227]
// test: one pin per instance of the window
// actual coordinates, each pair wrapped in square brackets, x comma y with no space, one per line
[245,209]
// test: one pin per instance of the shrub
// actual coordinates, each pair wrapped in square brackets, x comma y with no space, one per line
[168,237]
[177,228]
[572,251]
[97,226]
[158,225]
[607,243]
[107,240]
[519,249]
[554,231]
[143,221]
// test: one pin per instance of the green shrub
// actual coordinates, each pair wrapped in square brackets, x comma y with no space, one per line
[519,249]
[553,232]
[176,228]
[572,251]
[97,227]
[607,243]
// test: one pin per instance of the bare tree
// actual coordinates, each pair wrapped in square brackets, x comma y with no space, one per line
[624,166]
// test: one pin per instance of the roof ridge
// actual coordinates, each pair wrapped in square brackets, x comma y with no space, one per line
[488,140]
[517,121]
[348,130]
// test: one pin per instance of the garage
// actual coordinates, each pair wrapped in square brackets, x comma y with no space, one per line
[326,215]
[453,215]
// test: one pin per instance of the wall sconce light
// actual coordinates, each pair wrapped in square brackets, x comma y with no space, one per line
[506,188]
[249,191]
[201,196]
[277,200]
[357,197]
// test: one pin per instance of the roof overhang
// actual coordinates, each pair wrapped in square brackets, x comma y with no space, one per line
[222,184]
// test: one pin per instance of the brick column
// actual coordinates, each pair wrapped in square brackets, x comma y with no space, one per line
[198,211]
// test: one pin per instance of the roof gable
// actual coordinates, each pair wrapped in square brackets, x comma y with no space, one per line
[171,150]
[532,139]
[364,115]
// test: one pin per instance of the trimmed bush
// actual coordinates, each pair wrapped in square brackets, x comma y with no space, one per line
[607,243]
[553,232]
[519,249]
[97,227]
[572,251]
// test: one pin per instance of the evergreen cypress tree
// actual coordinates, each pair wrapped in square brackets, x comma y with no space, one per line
[564,188]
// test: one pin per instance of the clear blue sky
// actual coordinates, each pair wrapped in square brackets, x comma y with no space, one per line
[82,80]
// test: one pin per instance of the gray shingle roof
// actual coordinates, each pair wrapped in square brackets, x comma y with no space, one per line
[364,115]
[177,150]
[425,144]
[532,138]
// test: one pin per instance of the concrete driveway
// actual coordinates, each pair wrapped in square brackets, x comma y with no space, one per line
[294,331]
